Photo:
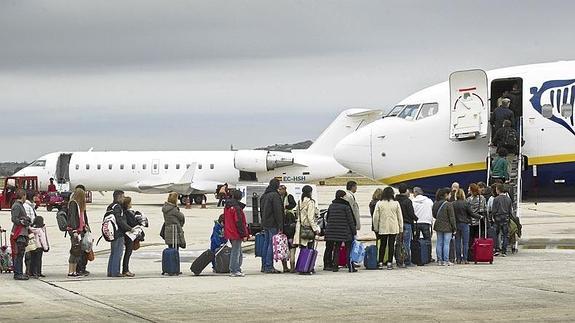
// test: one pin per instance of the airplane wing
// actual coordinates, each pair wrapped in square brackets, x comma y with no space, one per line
[180,185]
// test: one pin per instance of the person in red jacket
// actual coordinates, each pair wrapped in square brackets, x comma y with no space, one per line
[236,231]
[52,186]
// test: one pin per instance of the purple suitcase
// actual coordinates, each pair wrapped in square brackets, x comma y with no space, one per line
[306,261]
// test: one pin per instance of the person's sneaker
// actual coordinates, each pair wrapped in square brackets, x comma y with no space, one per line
[129,274]
[504,255]
[440,263]
[73,275]
[389,266]
[449,263]
[21,277]
[83,273]
[496,254]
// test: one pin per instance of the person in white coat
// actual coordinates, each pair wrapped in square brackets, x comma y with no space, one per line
[351,188]
[387,223]
[306,218]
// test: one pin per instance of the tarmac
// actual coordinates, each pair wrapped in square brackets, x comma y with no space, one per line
[536,284]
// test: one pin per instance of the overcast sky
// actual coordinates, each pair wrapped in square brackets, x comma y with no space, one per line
[143,74]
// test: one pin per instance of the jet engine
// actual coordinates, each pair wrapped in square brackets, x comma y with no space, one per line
[261,160]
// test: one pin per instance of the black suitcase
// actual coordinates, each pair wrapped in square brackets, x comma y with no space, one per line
[223,260]
[202,262]
[416,253]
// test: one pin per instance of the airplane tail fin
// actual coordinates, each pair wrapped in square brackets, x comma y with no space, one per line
[346,123]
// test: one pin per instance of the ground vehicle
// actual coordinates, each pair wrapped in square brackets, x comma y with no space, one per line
[12,184]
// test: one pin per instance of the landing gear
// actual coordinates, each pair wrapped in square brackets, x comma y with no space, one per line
[194,198]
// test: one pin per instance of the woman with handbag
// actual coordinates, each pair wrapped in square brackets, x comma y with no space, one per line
[77,227]
[128,242]
[306,226]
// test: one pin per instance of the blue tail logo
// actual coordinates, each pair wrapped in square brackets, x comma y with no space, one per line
[556,93]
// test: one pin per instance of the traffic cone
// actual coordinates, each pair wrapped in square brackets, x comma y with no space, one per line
[188,204]
[204,203]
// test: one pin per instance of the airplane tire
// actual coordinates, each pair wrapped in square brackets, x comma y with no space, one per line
[198,199]
[183,199]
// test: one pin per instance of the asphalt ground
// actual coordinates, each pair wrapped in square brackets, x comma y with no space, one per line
[536,284]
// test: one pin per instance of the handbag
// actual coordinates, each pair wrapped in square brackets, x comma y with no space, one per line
[31,243]
[90,255]
[136,245]
[305,231]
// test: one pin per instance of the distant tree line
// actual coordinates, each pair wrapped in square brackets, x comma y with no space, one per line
[9,168]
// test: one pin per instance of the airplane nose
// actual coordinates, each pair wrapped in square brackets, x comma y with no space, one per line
[354,152]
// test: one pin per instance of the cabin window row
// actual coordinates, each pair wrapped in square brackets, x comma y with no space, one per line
[143,166]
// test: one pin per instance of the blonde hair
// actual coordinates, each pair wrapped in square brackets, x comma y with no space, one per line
[460,194]
[127,203]
[173,198]
[79,197]
[377,195]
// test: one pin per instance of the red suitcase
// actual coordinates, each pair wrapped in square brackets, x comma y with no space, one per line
[483,247]
[342,259]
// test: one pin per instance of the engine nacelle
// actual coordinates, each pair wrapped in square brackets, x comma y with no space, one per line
[261,160]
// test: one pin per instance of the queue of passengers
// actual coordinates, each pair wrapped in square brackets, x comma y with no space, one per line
[455,216]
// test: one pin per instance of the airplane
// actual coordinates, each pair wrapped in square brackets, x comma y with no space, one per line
[194,173]
[441,134]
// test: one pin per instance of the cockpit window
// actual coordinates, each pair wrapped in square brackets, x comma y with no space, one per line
[38,163]
[427,110]
[410,112]
[395,111]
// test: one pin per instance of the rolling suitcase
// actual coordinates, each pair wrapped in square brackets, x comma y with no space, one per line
[342,258]
[171,257]
[425,251]
[260,239]
[223,260]
[280,247]
[370,259]
[306,260]
[202,262]
[483,247]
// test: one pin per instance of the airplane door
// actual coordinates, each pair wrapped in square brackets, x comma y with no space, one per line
[469,107]
[155,167]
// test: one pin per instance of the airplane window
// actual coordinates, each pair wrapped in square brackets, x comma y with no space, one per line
[410,112]
[121,166]
[144,166]
[110,166]
[166,166]
[547,111]
[87,166]
[188,166]
[155,166]
[177,166]
[211,166]
[77,167]
[38,163]
[199,166]
[133,166]
[99,167]
[427,110]
[395,111]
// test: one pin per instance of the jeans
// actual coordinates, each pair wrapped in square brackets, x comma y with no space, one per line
[442,247]
[129,244]
[116,250]
[407,236]
[19,259]
[236,257]
[502,229]
[462,241]
[386,241]
[268,256]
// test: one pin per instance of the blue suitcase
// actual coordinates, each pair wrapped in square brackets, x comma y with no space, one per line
[171,257]
[170,261]
[424,251]
[260,238]
[370,260]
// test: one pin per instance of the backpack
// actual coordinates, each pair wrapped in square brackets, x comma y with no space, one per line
[62,219]
[510,138]
[109,225]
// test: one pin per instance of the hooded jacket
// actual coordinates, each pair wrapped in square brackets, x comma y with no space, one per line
[235,226]
[272,209]
[407,211]
[422,206]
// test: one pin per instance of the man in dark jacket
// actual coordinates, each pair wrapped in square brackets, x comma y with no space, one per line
[117,245]
[19,236]
[501,114]
[272,213]
[506,137]
[409,219]
[502,211]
